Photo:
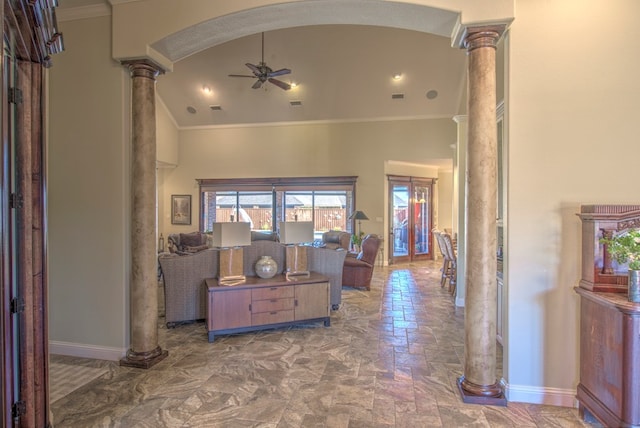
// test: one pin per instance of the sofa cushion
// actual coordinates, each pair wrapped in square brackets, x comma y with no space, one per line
[195,249]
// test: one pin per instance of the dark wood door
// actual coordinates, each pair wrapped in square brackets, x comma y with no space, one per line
[410,219]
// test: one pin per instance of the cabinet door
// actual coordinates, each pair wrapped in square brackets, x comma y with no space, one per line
[312,301]
[229,309]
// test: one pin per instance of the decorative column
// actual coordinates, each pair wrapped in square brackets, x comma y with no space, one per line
[144,351]
[479,384]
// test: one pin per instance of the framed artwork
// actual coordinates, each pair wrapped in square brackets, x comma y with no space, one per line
[180,209]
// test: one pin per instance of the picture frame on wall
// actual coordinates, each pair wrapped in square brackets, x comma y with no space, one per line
[181,209]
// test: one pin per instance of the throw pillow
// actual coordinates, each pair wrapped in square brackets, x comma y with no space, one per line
[196,248]
[190,240]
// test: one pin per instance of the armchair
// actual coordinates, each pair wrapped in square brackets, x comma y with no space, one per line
[335,239]
[357,271]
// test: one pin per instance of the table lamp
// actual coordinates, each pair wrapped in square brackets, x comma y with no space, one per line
[292,234]
[230,237]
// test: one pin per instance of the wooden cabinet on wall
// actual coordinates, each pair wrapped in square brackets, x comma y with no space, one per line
[266,303]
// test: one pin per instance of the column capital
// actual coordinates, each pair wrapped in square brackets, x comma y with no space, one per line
[143,68]
[472,36]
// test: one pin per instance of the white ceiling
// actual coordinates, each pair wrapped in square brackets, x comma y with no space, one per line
[344,73]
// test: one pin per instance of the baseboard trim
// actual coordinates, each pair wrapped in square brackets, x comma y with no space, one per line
[86,351]
[541,395]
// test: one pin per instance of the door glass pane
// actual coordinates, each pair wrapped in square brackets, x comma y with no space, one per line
[400,220]
[421,219]
[298,205]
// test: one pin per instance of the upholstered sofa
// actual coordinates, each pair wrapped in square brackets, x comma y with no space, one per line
[184,275]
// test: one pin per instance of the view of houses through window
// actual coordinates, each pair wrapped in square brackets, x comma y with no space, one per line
[327,205]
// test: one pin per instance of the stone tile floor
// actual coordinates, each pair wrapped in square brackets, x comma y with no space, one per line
[390,359]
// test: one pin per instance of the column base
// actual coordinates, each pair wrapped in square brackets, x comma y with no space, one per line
[488,395]
[143,360]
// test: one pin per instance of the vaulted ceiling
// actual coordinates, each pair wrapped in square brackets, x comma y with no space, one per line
[342,72]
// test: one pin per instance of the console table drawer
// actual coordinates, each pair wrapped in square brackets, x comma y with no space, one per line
[271,305]
[273,317]
[267,293]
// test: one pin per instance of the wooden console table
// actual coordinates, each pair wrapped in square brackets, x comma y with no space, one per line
[260,304]
[609,385]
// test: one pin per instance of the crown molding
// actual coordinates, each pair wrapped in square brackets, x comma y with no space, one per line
[83,12]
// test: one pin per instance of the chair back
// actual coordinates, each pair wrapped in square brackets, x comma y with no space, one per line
[448,245]
[369,249]
[441,244]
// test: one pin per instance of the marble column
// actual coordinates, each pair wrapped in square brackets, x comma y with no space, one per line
[144,350]
[479,384]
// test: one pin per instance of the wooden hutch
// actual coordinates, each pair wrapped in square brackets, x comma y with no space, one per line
[609,387]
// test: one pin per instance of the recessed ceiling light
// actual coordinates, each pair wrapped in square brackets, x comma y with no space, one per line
[397,76]
[191,109]
[294,85]
[206,89]
[432,94]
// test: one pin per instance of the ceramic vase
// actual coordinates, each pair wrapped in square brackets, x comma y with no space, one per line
[266,267]
[634,286]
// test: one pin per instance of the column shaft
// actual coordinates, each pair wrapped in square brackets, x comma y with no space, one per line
[144,349]
[479,378]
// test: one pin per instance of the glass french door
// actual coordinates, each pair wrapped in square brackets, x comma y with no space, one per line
[410,219]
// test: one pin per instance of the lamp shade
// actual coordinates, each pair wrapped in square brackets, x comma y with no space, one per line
[358,215]
[295,232]
[231,234]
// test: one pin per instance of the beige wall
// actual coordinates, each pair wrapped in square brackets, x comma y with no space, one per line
[88,182]
[359,149]
[572,95]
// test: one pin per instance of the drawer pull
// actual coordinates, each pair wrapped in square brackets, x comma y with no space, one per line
[273,300]
[273,313]
[273,288]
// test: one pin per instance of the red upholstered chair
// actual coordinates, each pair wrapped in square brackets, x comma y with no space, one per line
[357,271]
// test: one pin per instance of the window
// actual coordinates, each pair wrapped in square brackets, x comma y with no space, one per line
[325,201]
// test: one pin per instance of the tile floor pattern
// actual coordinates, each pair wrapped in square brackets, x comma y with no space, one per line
[390,359]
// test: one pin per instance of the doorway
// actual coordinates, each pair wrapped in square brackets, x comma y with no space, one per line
[410,218]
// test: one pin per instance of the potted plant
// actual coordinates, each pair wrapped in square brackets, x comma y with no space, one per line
[356,241]
[625,248]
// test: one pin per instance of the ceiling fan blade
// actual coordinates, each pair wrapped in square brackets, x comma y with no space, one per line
[280,84]
[257,84]
[254,68]
[280,72]
[242,75]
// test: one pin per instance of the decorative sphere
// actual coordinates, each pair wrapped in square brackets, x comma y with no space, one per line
[266,267]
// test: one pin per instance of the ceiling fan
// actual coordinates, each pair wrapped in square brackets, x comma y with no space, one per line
[264,73]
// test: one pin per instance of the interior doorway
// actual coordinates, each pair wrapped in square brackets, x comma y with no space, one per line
[410,218]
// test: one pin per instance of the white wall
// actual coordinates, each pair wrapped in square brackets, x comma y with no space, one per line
[572,106]
[88,195]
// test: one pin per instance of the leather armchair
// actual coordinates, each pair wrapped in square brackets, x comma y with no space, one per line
[335,239]
[357,271]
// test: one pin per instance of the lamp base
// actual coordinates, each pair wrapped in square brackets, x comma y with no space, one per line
[296,262]
[231,267]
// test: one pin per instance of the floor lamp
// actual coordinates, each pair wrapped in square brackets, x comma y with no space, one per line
[292,234]
[230,237]
[359,215]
